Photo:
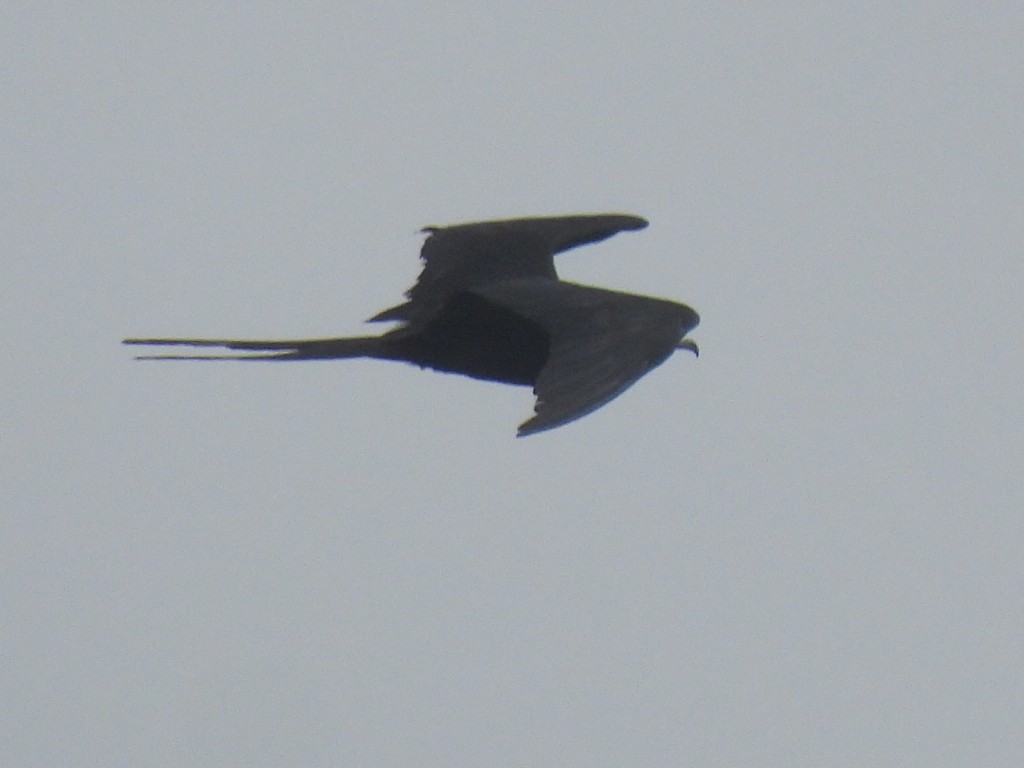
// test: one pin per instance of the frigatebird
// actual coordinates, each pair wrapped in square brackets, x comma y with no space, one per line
[489,305]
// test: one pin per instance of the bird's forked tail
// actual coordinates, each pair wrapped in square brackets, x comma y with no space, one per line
[295,349]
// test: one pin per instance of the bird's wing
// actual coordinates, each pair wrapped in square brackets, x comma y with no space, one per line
[468,255]
[602,342]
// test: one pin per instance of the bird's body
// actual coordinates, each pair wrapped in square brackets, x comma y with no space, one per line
[489,305]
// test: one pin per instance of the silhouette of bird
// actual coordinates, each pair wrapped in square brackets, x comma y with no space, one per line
[489,305]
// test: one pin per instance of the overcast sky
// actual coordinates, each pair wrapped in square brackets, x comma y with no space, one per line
[804,548]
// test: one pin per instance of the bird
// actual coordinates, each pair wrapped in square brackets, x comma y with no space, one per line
[489,304]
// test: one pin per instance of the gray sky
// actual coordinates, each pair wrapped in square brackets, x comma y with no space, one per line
[805,548]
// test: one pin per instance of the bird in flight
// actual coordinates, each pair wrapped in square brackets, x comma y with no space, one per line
[489,305]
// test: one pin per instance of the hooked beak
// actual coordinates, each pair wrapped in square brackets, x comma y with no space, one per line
[691,345]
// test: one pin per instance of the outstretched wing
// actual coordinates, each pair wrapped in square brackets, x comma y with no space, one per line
[602,342]
[469,255]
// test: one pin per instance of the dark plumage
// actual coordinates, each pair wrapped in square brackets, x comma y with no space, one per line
[489,304]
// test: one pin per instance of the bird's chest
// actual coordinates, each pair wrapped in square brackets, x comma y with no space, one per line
[476,338]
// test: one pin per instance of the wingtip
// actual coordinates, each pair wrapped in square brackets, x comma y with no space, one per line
[532,426]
